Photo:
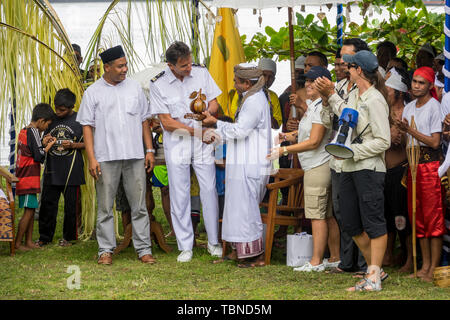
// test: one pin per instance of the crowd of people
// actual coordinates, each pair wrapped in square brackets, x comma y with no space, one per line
[356,207]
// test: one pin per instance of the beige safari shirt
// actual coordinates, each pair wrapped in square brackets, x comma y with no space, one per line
[341,97]
[376,139]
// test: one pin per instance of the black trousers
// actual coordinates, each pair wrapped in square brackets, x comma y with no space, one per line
[361,202]
[49,211]
[351,257]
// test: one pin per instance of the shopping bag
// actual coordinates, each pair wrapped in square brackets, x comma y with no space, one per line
[299,249]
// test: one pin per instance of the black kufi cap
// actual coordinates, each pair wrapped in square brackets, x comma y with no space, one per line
[76,47]
[112,54]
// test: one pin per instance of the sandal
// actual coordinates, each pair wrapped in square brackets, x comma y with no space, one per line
[256,262]
[251,264]
[226,258]
[64,243]
[335,270]
[40,243]
[361,274]
[366,285]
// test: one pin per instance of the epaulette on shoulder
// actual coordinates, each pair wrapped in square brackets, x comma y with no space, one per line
[201,65]
[159,75]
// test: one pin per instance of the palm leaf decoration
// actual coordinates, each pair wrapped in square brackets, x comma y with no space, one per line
[153,25]
[37,60]
[37,57]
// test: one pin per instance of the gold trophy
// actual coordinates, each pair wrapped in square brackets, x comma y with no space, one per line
[198,105]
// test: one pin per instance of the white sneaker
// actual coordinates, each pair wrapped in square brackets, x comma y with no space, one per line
[308,267]
[185,256]
[330,265]
[215,250]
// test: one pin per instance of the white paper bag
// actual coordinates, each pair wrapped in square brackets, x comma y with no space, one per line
[299,249]
[3,195]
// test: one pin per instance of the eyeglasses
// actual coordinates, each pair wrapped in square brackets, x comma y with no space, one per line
[352,65]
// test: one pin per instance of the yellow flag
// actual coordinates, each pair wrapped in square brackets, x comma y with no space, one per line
[226,52]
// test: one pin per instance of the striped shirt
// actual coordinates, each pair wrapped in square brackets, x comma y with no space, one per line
[30,155]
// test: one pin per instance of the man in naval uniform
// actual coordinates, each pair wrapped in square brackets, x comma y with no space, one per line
[170,93]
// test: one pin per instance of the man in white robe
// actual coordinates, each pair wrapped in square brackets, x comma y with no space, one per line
[247,169]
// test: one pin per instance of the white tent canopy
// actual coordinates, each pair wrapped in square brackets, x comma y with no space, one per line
[144,77]
[263,4]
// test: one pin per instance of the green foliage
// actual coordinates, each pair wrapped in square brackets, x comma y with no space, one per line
[408,26]
[308,35]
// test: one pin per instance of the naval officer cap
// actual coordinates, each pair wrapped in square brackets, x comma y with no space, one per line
[112,54]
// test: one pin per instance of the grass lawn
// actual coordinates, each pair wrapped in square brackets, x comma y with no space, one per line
[42,274]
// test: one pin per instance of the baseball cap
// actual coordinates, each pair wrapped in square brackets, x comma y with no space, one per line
[317,72]
[364,59]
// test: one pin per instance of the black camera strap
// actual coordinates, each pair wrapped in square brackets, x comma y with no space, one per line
[358,139]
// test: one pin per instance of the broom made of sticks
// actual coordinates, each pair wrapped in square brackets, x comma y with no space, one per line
[413,153]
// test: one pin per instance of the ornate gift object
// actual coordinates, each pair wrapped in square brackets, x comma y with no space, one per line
[198,105]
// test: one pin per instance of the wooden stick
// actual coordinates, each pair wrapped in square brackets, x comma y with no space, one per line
[413,153]
[295,161]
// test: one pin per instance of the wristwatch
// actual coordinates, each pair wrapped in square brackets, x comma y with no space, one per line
[285,151]
[150,150]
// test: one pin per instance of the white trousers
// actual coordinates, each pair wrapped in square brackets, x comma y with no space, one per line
[179,173]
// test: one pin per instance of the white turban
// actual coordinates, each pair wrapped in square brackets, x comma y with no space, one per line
[395,81]
[300,62]
[268,64]
[438,83]
[247,71]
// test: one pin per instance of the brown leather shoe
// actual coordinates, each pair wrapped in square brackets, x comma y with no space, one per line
[147,258]
[105,258]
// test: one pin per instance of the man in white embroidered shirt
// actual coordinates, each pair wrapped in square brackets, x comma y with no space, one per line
[114,113]
[170,93]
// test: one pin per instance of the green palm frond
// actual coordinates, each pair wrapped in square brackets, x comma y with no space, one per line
[37,60]
[154,25]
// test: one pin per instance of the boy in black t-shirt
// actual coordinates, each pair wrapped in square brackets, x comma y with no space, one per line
[64,172]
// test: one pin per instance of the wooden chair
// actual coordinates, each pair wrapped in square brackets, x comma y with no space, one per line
[284,178]
[7,228]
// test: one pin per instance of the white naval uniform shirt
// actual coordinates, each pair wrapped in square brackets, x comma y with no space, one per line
[169,95]
[116,113]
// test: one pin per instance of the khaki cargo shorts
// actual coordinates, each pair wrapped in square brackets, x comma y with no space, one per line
[317,190]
